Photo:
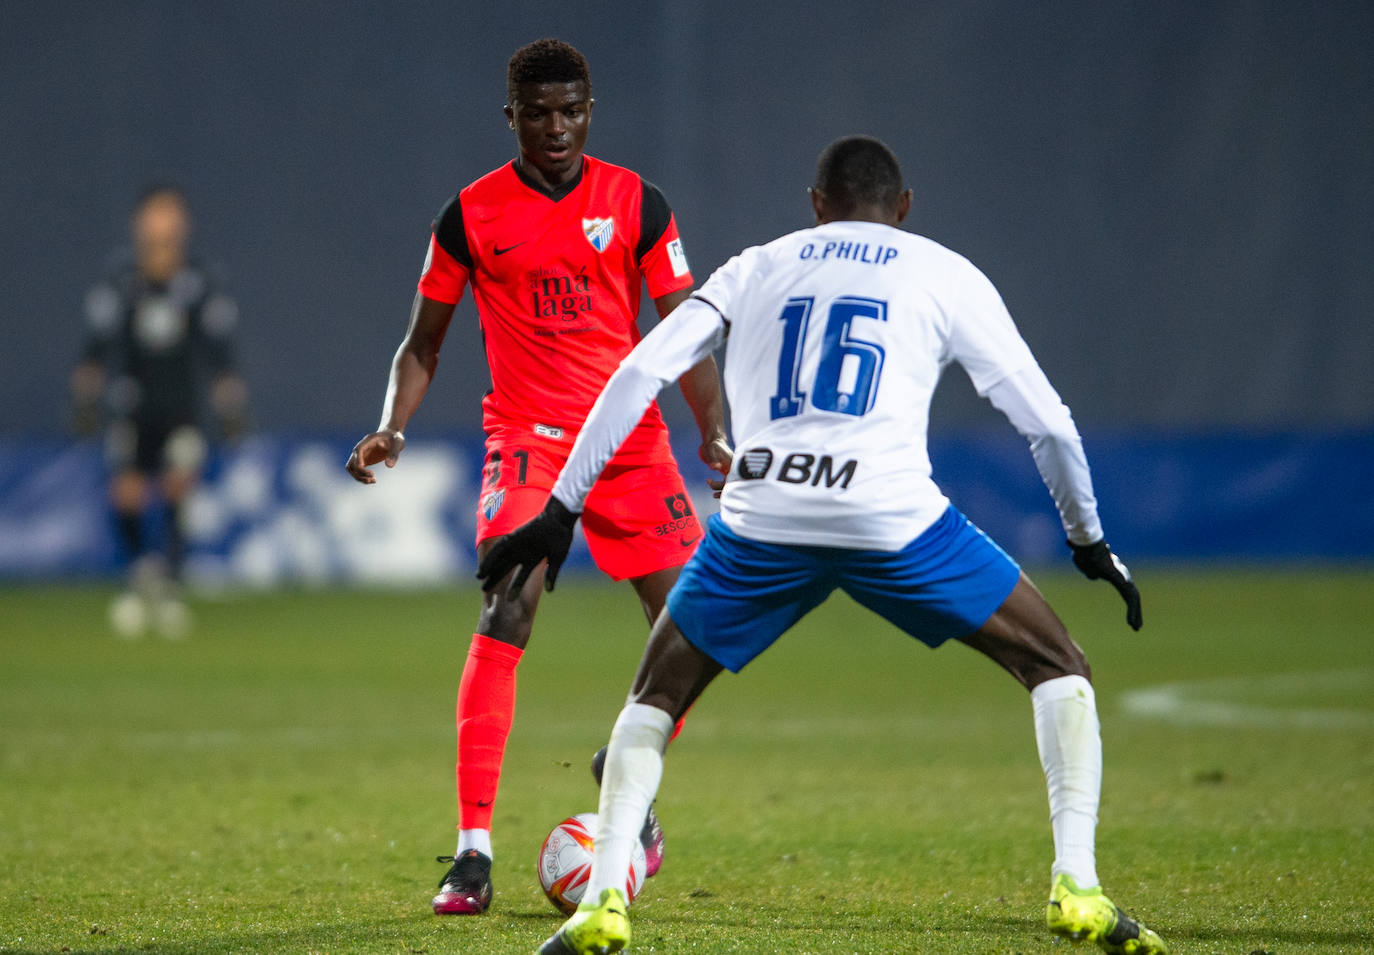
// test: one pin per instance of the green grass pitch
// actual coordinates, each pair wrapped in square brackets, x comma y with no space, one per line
[281,781]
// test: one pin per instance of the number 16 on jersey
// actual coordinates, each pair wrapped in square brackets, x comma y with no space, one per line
[846,379]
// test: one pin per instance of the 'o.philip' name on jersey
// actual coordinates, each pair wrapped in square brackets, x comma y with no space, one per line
[837,337]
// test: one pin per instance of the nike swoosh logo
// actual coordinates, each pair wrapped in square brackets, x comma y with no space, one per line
[484,803]
[690,542]
[497,250]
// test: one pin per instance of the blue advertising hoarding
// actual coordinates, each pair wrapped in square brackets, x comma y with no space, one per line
[281,510]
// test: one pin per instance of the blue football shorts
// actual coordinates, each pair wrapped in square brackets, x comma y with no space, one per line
[736,596]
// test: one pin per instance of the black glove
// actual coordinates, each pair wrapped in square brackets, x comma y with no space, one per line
[547,537]
[1099,563]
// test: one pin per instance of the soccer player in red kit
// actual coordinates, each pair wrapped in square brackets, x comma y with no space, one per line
[555,246]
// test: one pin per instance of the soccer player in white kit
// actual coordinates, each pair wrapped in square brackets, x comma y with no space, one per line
[835,338]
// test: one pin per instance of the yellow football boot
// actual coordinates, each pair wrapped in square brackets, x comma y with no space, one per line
[596,928]
[1088,915]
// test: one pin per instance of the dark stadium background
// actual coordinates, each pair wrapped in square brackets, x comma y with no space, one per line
[1175,199]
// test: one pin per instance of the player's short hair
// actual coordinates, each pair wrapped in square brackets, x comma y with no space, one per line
[546,61]
[858,171]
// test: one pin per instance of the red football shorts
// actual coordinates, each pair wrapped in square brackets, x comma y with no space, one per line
[637,520]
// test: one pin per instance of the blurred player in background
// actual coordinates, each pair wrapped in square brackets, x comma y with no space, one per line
[156,367]
[836,338]
[555,245]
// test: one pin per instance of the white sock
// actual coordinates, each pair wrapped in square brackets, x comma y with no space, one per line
[634,767]
[1070,744]
[479,839]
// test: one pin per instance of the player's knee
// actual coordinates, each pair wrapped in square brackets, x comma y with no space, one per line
[673,672]
[1075,663]
[673,699]
[1062,657]
[509,621]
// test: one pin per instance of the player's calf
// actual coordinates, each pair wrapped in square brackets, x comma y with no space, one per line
[651,835]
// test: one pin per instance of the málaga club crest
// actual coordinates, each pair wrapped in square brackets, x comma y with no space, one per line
[599,232]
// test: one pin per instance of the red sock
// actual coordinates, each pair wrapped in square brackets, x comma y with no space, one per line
[486,707]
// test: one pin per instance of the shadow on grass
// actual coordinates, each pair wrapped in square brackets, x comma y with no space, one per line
[1359,941]
[1008,928]
[416,935]
[426,936]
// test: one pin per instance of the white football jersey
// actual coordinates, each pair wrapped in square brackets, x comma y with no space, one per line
[837,337]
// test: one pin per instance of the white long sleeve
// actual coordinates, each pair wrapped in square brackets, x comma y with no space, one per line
[689,334]
[1034,408]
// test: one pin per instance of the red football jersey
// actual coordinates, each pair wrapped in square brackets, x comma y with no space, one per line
[556,277]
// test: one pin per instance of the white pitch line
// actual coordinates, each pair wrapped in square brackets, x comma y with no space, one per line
[1202,703]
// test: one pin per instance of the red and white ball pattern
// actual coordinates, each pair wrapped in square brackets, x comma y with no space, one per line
[565,863]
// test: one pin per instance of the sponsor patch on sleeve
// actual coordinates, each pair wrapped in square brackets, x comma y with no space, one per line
[678,258]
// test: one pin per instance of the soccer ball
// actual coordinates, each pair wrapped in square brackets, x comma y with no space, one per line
[565,863]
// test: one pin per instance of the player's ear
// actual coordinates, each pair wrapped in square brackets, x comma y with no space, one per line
[509,110]
[817,203]
[903,205]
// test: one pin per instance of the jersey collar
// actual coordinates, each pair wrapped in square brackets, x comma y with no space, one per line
[558,193]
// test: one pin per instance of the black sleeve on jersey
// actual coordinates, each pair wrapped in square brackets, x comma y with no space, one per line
[448,232]
[654,216]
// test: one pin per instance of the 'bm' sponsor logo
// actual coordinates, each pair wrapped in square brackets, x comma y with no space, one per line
[754,463]
[797,468]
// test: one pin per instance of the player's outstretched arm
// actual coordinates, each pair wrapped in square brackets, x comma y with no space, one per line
[375,448]
[412,369]
[700,386]
[229,401]
[545,538]
[1099,563]
[88,385]
[661,357]
[1036,411]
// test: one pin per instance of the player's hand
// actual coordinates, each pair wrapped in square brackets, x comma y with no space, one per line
[229,399]
[719,457]
[385,445]
[547,537]
[88,387]
[1099,563]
